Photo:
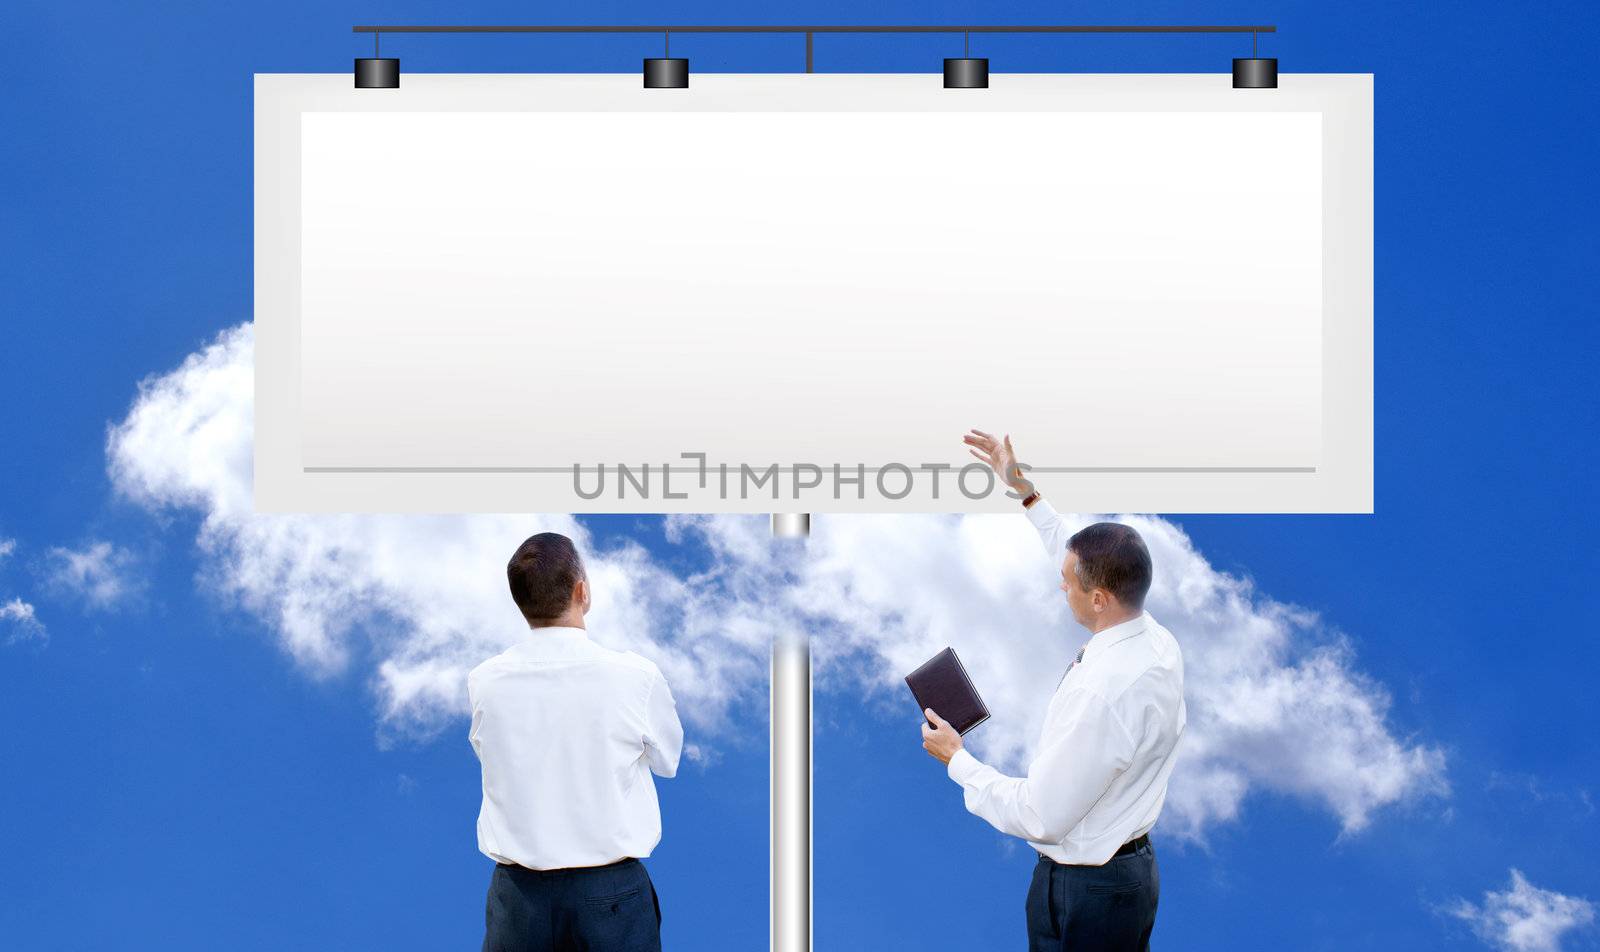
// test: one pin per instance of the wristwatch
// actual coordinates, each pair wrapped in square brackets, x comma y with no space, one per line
[1030,499]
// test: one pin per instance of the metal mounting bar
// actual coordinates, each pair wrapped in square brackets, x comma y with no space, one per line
[811,31]
[1060,28]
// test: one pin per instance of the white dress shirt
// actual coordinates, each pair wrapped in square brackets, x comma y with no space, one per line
[568,733]
[1099,774]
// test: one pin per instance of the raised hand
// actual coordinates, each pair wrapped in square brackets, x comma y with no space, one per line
[1001,458]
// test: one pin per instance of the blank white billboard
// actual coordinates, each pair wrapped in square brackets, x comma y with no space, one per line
[795,293]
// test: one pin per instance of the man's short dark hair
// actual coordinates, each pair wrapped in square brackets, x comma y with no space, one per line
[542,573]
[1112,556]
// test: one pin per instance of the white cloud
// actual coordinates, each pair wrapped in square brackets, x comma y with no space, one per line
[101,573]
[1275,702]
[20,622]
[1523,917]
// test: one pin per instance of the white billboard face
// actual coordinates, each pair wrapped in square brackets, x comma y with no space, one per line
[795,293]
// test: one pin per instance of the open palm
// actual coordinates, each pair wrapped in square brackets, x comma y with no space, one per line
[1000,456]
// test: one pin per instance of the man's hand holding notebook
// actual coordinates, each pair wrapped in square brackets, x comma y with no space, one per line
[942,685]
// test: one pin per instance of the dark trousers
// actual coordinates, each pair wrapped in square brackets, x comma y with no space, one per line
[1108,908]
[590,909]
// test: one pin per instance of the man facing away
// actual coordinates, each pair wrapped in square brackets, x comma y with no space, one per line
[568,733]
[1099,776]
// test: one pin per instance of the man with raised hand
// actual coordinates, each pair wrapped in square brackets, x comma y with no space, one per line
[568,733]
[1099,772]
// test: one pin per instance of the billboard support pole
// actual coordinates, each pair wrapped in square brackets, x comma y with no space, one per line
[790,774]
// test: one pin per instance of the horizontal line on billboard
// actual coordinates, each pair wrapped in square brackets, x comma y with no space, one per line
[562,470]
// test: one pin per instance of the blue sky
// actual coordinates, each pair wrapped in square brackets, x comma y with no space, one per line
[183,767]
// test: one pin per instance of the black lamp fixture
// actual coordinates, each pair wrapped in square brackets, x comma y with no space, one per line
[965,72]
[377,72]
[666,72]
[1255,72]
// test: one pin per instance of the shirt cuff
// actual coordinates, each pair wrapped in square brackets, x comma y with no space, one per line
[1041,513]
[961,766]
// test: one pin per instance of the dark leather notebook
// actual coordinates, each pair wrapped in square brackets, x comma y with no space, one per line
[942,684]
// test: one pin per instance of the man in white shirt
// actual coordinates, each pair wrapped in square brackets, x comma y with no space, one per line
[1099,776]
[568,733]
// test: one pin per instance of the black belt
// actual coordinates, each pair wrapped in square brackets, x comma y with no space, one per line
[517,868]
[1131,846]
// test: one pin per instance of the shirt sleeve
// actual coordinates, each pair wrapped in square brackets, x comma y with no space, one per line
[1052,532]
[663,736]
[1074,767]
[477,720]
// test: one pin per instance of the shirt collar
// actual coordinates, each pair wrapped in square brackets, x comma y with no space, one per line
[536,638]
[1107,637]
[561,630]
